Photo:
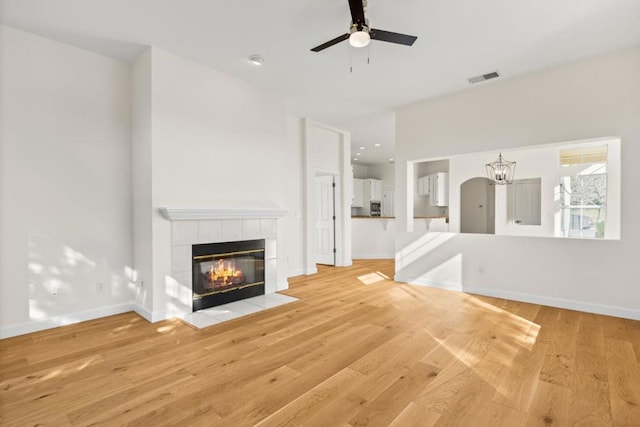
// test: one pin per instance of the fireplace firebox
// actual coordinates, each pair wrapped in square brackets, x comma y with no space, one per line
[227,272]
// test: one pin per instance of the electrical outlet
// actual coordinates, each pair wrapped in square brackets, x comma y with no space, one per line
[99,287]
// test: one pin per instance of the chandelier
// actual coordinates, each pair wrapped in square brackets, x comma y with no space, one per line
[501,171]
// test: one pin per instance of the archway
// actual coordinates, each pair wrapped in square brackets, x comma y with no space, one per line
[477,206]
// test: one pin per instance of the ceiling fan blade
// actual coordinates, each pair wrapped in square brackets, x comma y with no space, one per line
[388,36]
[357,11]
[331,43]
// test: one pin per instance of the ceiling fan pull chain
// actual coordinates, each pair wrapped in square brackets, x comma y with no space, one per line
[350,61]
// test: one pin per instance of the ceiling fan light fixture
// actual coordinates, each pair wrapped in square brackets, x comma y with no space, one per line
[360,38]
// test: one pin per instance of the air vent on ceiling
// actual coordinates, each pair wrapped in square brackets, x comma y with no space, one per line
[483,77]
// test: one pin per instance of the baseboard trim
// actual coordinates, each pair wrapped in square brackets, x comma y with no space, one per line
[62,320]
[296,272]
[607,310]
[283,285]
[143,312]
[374,256]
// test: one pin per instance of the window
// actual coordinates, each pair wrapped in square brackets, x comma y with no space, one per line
[583,191]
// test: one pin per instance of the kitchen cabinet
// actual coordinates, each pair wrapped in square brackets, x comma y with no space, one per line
[439,189]
[372,190]
[423,185]
[357,199]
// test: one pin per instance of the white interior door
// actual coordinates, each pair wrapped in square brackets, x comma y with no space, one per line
[325,220]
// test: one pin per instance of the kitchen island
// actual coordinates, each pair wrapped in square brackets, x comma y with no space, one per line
[374,237]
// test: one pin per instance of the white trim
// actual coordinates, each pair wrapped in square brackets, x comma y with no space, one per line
[374,256]
[282,285]
[607,310]
[152,316]
[181,214]
[296,272]
[66,319]
[143,312]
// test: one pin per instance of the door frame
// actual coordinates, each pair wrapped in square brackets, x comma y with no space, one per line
[343,192]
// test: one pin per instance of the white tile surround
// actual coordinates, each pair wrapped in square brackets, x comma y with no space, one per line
[191,226]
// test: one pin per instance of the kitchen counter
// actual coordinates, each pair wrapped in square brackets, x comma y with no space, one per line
[372,217]
[393,217]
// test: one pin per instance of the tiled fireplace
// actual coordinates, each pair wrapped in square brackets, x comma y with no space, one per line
[191,227]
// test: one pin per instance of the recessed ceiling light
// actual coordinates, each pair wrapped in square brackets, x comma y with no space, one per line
[376,145]
[358,154]
[391,160]
[355,158]
[256,59]
[362,148]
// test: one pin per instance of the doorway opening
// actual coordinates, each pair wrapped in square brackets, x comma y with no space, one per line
[477,206]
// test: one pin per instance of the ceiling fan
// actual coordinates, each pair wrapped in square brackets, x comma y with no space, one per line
[360,34]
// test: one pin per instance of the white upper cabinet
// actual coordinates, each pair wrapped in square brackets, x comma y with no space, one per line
[439,189]
[357,200]
[423,185]
[373,189]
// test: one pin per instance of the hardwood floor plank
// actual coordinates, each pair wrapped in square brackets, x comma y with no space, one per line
[550,405]
[559,363]
[589,403]
[312,403]
[388,405]
[347,353]
[624,381]
[414,415]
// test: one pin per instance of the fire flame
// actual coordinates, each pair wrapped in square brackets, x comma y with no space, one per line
[224,274]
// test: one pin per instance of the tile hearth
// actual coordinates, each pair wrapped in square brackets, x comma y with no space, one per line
[214,315]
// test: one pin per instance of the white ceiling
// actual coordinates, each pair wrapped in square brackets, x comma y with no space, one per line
[457,39]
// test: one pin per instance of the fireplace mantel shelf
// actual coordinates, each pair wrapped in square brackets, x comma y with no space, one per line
[182,214]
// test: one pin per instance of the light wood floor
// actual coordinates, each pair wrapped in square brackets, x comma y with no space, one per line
[348,353]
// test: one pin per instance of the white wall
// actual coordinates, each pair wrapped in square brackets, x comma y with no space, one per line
[360,171]
[293,187]
[65,177]
[594,98]
[141,181]
[372,238]
[216,142]
[385,172]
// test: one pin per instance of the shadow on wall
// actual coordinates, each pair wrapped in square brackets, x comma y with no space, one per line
[427,261]
[179,295]
[63,281]
[516,268]
[440,259]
